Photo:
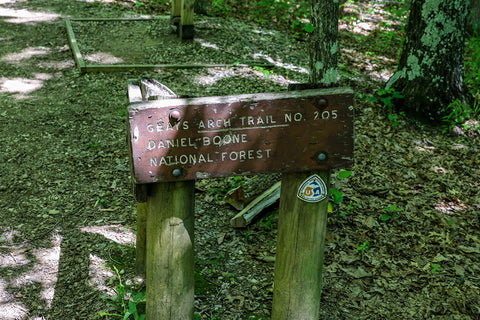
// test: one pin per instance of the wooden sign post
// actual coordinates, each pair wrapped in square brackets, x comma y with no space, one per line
[175,141]
[182,18]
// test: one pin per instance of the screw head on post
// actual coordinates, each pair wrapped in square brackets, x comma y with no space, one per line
[322,156]
[175,115]
[321,103]
[177,172]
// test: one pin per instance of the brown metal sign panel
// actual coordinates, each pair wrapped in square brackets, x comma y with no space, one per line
[183,139]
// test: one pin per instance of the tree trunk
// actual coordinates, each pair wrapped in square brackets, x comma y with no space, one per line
[473,19]
[430,71]
[324,43]
[201,7]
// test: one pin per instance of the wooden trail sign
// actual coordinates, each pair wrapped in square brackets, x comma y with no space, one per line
[174,141]
[295,131]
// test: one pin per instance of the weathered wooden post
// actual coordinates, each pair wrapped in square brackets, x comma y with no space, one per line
[175,141]
[182,18]
[165,218]
[301,235]
[170,259]
[300,246]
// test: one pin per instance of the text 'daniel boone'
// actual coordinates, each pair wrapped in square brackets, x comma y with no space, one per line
[211,137]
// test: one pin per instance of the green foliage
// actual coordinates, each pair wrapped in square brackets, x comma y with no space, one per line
[435,267]
[391,213]
[303,25]
[293,14]
[336,194]
[350,209]
[266,73]
[221,191]
[202,285]
[267,222]
[221,7]
[388,97]
[364,247]
[126,302]
[472,64]
[394,117]
[385,96]
[459,114]
[344,174]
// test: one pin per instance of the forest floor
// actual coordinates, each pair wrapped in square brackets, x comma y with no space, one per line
[403,244]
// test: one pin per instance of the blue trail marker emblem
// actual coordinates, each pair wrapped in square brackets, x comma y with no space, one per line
[313,189]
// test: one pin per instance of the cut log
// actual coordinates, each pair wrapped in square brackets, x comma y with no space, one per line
[253,187]
[266,199]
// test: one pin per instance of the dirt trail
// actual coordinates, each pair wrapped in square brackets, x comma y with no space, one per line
[403,244]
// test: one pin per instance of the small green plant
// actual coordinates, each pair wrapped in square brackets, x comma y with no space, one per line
[435,267]
[385,96]
[472,63]
[337,196]
[459,114]
[266,73]
[125,301]
[391,213]
[394,117]
[388,96]
[350,209]
[303,25]
[248,232]
[364,247]
[267,222]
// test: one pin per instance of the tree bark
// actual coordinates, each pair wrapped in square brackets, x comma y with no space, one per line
[473,19]
[430,71]
[324,42]
[201,7]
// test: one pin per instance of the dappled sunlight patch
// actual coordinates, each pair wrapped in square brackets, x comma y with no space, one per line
[103,58]
[217,74]
[99,274]
[206,44]
[280,64]
[19,85]
[8,234]
[25,54]
[57,64]
[44,271]
[371,64]
[9,308]
[450,205]
[12,311]
[23,86]
[10,1]
[117,233]
[99,1]
[439,170]
[27,16]
[17,258]
[424,147]
[365,18]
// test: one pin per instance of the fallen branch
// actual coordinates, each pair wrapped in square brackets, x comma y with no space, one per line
[266,199]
